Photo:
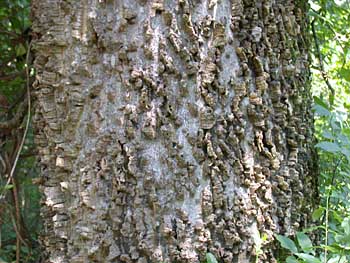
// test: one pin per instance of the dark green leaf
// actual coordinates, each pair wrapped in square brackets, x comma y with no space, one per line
[345,73]
[20,50]
[8,187]
[304,242]
[316,215]
[320,102]
[287,243]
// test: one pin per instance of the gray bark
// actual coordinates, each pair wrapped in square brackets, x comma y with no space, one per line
[168,129]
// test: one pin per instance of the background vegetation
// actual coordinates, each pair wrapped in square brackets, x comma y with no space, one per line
[19,197]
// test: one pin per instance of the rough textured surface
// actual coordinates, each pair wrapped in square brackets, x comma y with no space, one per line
[167,129]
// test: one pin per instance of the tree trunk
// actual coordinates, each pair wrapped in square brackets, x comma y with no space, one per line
[169,129]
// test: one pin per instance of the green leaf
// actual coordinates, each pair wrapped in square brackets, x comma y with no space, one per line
[20,50]
[316,215]
[337,259]
[321,111]
[8,187]
[308,258]
[328,135]
[291,259]
[337,216]
[346,153]
[334,248]
[304,242]
[320,102]
[346,225]
[287,243]
[344,139]
[211,258]
[328,147]
[25,250]
[345,73]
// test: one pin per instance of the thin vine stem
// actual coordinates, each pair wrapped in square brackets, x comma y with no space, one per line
[13,168]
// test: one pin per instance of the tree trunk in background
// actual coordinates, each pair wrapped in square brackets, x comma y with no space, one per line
[167,129]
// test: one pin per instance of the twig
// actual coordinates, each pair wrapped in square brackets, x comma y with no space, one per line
[320,60]
[339,43]
[10,33]
[11,76]
[327,209]
[29,154]
[18,234]
[20,113]
[27,123]
[9,207]
[17,221]
[2,161]
[326,226]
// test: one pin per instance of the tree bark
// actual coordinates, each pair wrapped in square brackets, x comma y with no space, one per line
[169,129]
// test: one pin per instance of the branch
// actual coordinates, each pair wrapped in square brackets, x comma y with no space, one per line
[12,76]
[320,60]
[17,223]
[16,120]
[9,33]
[29,154]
